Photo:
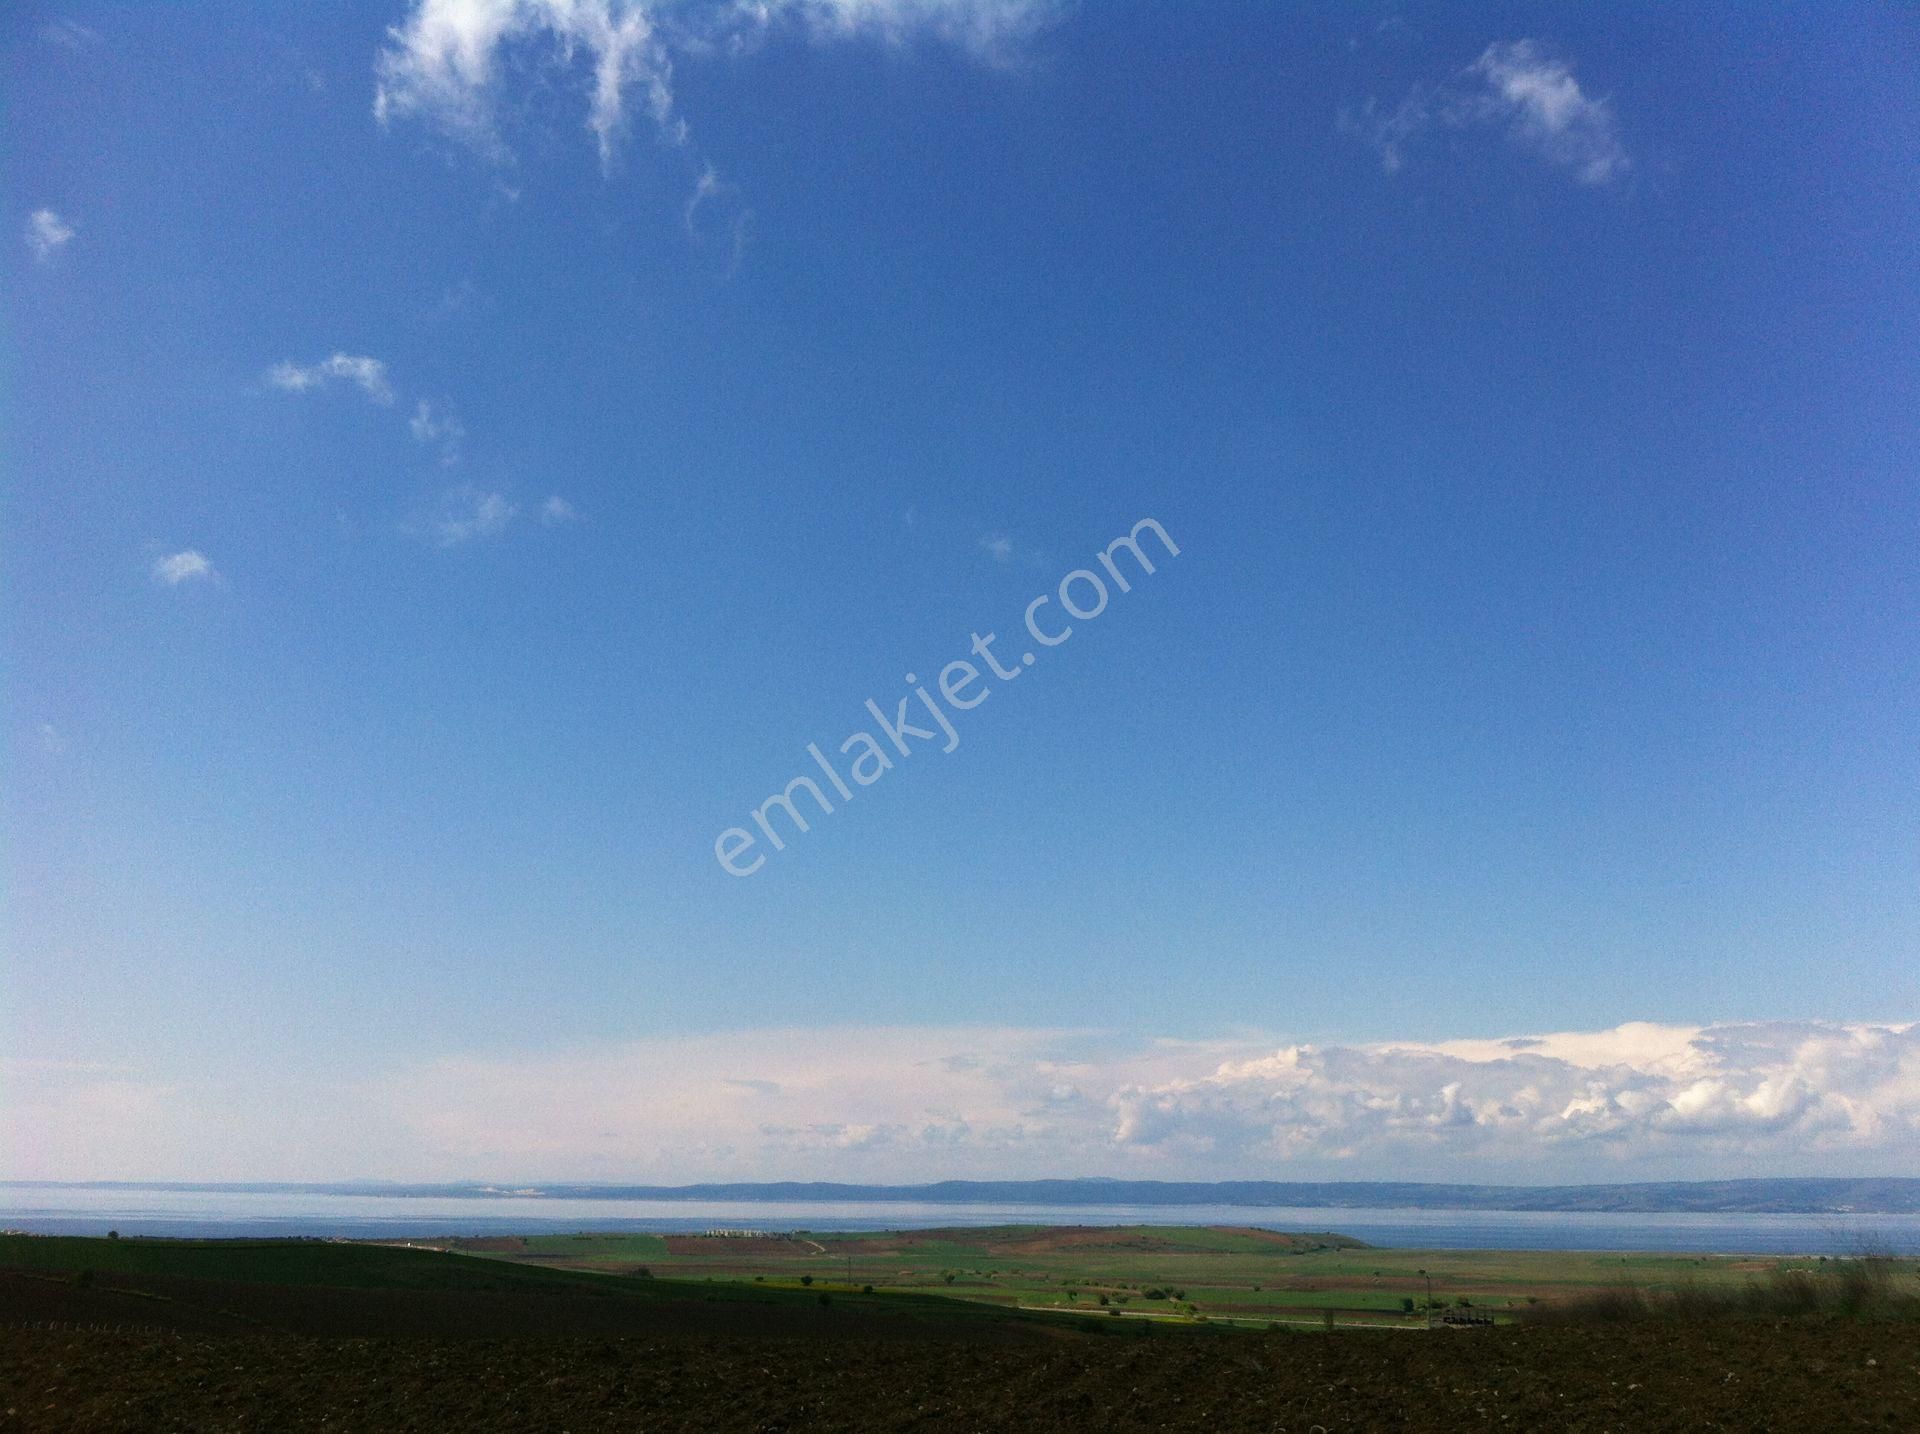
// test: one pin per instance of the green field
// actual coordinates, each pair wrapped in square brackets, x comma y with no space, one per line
[1186,1274]
[1007,1275]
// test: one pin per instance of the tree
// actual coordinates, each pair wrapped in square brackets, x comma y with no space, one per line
[806,1279]
[1406,1304]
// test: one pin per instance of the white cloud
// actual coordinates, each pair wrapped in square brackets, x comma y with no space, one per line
[1640,1101]
[913,1103]
[1781,1091]
[446,62]
[557,510]
[1543,107]
[188,565]
[438,425]
[468,513]
[52,740]
[367,374]
[1518,87]
[988,29]
[47,233]
[1000,545]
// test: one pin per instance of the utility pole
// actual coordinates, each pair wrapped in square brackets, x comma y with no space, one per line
[1429,1280]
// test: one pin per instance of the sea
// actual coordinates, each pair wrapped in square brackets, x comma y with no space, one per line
[217,1212]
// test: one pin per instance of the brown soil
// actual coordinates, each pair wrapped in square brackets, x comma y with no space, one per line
[1752,1376]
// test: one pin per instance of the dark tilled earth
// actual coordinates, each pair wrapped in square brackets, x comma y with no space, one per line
[1744,1376]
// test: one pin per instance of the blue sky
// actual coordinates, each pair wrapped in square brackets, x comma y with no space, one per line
[459,457]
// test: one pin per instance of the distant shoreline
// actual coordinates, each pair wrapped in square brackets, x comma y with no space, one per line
[1809,1196]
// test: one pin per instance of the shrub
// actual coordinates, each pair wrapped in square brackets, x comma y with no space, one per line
[1862,1284]
[1867,1286]
[806,1279]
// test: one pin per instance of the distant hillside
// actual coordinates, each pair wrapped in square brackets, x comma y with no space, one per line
[1885,1195]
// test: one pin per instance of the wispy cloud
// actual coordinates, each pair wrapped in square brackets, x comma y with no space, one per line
[468,513]
[69,35]
[448,60]
[556,511]
[47,234]
[438,425]
[369,375]
[1518,88]
[1000,545]
[188,565]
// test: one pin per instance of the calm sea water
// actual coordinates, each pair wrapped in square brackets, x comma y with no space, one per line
[229,1213]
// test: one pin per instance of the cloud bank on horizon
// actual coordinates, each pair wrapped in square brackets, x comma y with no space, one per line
[1640,1101]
